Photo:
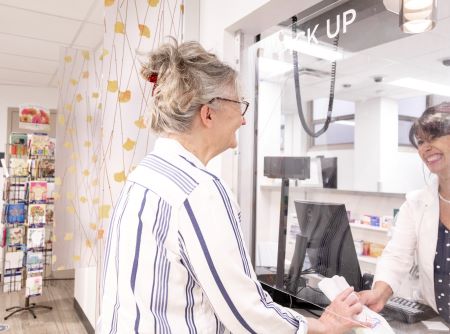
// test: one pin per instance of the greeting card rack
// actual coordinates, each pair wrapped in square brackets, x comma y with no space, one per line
[28,216]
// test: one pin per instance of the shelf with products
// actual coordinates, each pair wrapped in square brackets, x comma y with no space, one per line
[368,259]
[369,227]
[275,186]
[28,216]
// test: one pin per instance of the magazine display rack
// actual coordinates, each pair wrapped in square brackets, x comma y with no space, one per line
[28,216]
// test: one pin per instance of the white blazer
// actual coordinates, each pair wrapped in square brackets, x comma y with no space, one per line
[415,232]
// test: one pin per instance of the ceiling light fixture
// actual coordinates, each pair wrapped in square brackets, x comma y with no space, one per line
[422,86]
[321,51]
[415,16]
[418,16]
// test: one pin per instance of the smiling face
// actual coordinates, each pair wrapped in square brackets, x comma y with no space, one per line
[232,121]
[229,119]
[430,133]
[435,153]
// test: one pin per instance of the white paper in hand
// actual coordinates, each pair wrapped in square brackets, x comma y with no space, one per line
[331,287]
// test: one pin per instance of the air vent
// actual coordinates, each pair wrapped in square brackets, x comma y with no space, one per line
[313,72]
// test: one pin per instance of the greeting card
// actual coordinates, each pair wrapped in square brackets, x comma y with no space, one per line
[12,280]
[39,144]
[35,237]
[38,191]
[15,213]
[36,215]
[18,144]
[33,286]
[18,167]
[15,235]
[14,259]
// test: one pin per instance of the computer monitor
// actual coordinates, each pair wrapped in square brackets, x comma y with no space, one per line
[329,242]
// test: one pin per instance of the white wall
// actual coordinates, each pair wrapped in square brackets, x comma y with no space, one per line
[85,290]
[345,166]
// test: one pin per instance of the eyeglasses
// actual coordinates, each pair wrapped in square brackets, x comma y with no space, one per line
[243,104]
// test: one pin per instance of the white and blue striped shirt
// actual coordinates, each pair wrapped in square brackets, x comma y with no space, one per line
[175,260]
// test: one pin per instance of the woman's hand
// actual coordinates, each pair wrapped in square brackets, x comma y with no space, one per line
[338,316]
[376,298]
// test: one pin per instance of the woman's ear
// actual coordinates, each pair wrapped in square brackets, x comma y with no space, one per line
[206,114]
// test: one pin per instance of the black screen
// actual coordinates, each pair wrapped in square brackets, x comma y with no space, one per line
[329,172]
[330,246]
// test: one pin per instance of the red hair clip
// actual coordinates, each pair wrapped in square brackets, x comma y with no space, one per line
[153,78]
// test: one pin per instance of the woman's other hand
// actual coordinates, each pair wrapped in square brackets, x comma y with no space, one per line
[376,298]
[338,316]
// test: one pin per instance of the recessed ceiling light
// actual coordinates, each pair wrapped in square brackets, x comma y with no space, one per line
[422,86]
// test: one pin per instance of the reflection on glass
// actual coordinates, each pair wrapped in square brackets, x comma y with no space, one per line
[376,99]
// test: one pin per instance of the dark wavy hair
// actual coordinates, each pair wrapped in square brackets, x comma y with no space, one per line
[434,123]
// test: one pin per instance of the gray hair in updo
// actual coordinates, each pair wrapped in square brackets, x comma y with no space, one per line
[187,77]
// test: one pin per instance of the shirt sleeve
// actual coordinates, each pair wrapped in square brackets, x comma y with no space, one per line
[398,256]
[210,227]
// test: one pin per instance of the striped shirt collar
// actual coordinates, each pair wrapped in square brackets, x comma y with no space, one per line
[164,145]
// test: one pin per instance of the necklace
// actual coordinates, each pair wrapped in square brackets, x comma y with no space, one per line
[444,199]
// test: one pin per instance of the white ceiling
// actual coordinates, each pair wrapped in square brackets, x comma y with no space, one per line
[33,31]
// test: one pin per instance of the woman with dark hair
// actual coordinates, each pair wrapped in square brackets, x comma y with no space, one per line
[422,224]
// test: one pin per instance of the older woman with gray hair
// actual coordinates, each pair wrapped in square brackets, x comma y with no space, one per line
[175,259]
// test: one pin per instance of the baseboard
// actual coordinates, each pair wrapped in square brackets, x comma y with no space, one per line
[62,274]
[87,325]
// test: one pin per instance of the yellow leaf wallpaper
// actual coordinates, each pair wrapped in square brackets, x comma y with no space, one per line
[86,54]
[109,3]
[140,123]
[113,86]
[103,211]
[119,28]
[124,96]
[129,144]
[68,236]
[144,30]
[153,3]
[104,54]
[120,176]
[102,125]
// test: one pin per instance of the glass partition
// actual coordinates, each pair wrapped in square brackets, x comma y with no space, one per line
[382,81]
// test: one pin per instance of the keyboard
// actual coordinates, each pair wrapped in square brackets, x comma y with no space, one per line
[407,311]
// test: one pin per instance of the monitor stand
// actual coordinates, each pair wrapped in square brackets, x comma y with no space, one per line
[284,202]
